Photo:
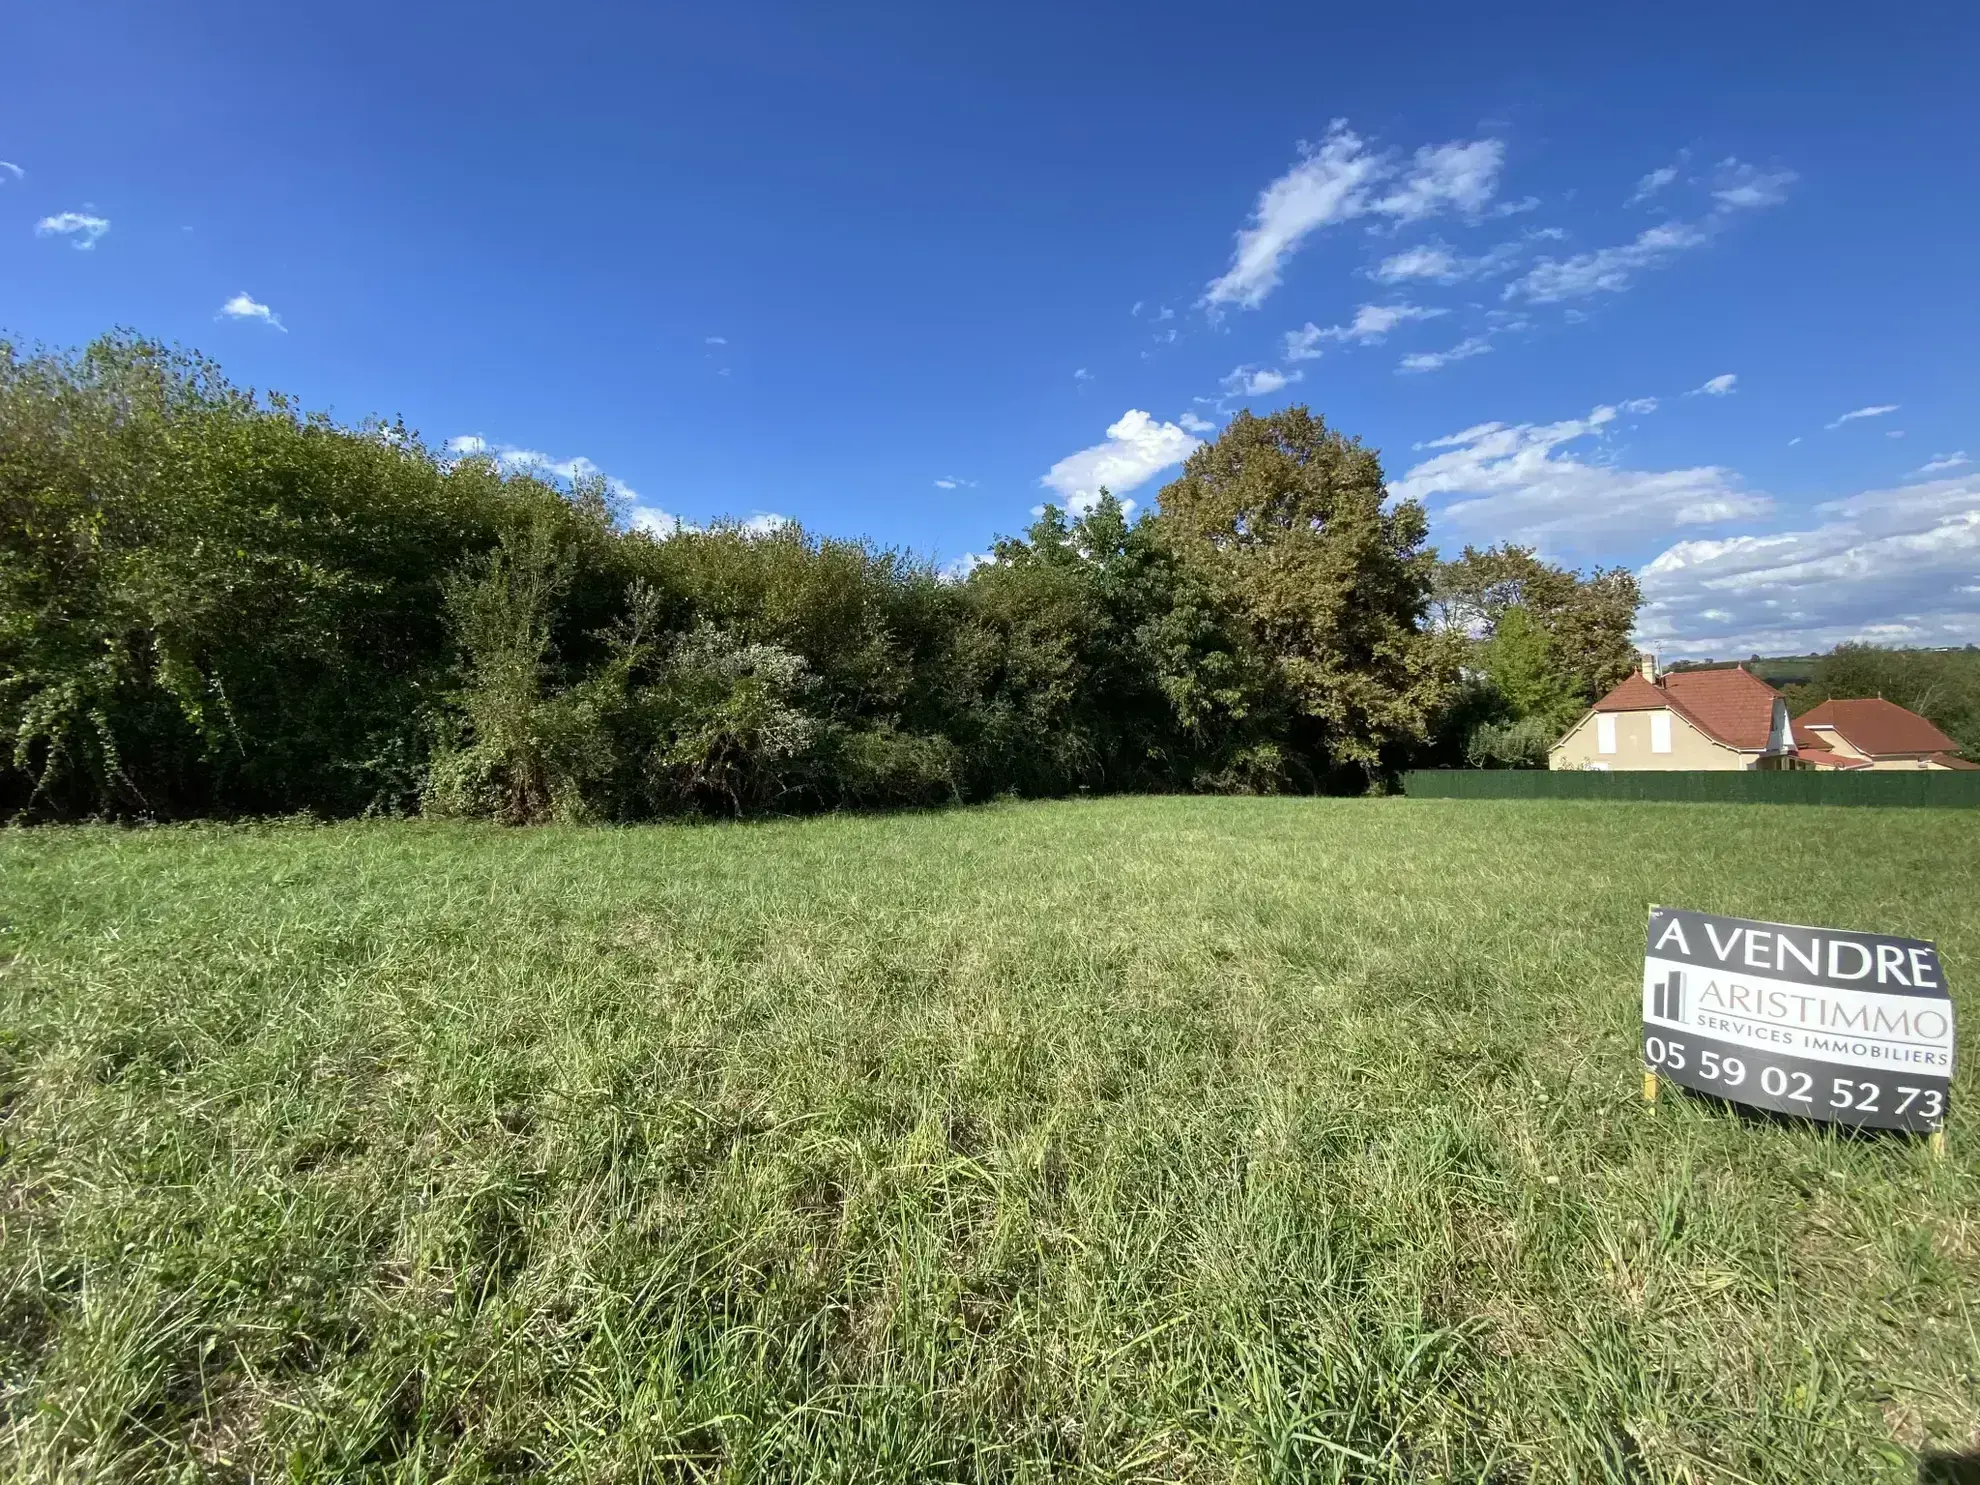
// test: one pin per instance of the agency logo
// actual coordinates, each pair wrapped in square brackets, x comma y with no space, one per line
[1667,997]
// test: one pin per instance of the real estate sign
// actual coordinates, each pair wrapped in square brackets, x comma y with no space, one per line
[1856,1028]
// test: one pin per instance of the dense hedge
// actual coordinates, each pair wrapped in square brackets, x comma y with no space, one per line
[213,604]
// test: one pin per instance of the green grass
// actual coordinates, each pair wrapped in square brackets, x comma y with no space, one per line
[1177,1139]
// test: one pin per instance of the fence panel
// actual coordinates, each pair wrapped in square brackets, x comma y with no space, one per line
[1907,789]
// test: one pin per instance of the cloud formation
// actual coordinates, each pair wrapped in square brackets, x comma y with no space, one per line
[1743,186]
[79,227]
[1257,381]
[655,522]
[1940,463]
[1473,345]
[1718,386]
[1876,411]
[1520,482]
[242,307]
[1437,263]
[1370,324]
[1652,183]
[1887,566]
[1336,181]
[1137,447]
[1610,270]
[10,171]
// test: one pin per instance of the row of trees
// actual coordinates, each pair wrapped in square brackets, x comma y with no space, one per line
[213,604]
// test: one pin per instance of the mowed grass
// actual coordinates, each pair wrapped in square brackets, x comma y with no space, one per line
[1167,1139]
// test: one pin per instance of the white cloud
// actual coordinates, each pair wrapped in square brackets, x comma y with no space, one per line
[1889,566]
[1652,183]
[1191,423]
[1876,411]
[954,482]
[766,523]
[1475,345]
[715,340]
[1500,482]
[512,460]
[1082,375]
[241,307]
[1895,433]
[82,228]
[1940,463]
[1436,263]
[1327,186]
[1303,344]
[964,565]
[1718,386]
[1137,447]
[1371,322]
[655,522]
[12,170]
[1612,269]
[1462,174]
[1418,262]
[1742,187]
[1257,381]
[1334,183]
[1605,270]
[1638,405]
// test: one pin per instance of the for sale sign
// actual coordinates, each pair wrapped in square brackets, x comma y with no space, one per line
[1851,1027]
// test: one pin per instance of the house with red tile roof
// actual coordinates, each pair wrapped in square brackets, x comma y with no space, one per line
[1686,719]
[1872,733]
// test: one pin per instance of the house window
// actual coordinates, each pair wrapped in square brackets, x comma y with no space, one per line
[1605,732]
[1660,732]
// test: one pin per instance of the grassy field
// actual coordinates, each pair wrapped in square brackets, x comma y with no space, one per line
[1167,1139]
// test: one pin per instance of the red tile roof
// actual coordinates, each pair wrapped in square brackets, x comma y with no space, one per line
[1735,706]
[1946,760]
[1634,695]
[1879,728]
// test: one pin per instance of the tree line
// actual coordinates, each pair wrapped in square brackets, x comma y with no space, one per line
[212,603]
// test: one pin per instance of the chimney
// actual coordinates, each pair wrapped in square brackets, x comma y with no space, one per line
[1646,666]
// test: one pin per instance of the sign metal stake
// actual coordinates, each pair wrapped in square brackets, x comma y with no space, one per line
[1649,1086]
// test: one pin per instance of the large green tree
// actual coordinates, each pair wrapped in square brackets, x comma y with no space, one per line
[1290,520]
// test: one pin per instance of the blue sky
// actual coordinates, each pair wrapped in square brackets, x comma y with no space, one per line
[1690,292]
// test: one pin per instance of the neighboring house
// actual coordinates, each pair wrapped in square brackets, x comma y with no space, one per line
[1872,733]
[1688,719]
